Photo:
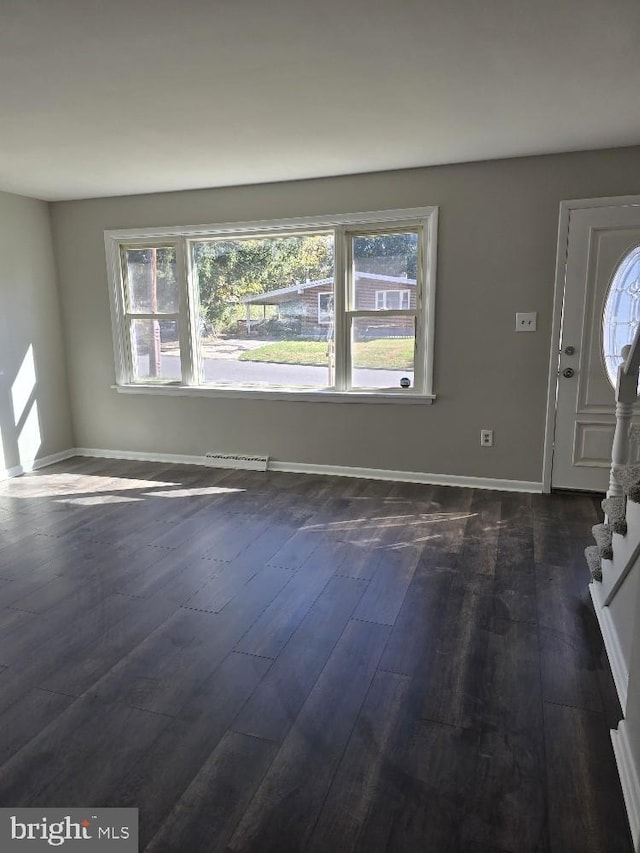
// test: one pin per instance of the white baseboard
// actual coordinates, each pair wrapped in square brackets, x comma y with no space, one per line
[141,456]
[34,464]
[331,470]
[629,779]
[292,467]
[611,644]
[409,477]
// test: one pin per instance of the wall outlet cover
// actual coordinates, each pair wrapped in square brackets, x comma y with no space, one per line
[526,321]
[486,438]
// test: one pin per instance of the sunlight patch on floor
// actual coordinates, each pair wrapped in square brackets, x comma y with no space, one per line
[58,485]
[195,492]
[98,500]
[392,521]
[396,546]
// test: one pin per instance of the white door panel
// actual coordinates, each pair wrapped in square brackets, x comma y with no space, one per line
[599,238]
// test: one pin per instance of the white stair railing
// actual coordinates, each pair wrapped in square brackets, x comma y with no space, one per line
[626,397]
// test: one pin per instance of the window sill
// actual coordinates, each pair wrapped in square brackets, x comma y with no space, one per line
[294,395]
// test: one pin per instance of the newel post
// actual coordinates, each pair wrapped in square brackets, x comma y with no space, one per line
[626,396]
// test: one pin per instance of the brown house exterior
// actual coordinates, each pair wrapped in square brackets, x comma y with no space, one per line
[308,308]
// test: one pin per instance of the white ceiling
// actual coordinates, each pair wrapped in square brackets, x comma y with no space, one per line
[109,97]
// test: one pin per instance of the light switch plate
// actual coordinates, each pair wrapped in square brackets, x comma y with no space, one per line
[526,321]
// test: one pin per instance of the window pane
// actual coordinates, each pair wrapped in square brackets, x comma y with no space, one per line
[384,271]
[266,310]
[392,300]
[151,279]
[155,349]
[382,352]
[621,313]
[325,308]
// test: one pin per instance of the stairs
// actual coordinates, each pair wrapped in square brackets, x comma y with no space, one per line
[594,561]
[615,510]
[603,534]
[614,565]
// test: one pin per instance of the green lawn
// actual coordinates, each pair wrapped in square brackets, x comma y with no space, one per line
[396,354]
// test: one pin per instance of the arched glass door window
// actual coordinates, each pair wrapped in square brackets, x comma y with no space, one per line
[621,312]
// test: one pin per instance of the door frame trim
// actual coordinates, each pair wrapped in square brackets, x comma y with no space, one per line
[556,326]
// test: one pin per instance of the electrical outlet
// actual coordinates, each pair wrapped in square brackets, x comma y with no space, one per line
[486,438]
[526,321]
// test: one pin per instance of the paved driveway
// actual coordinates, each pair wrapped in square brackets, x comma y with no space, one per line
[230,369]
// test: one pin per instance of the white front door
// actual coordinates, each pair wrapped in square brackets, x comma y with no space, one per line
[602,273]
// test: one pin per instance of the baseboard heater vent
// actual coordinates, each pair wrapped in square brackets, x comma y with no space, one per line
[238,460]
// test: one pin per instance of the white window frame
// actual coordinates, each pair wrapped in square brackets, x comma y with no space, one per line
[324,314]
[424,220]
[130,315]
[381,303]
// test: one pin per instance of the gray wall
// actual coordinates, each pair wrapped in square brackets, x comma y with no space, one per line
[496,256]
[34,402]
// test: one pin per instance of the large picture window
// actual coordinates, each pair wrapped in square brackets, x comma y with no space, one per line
[340,307]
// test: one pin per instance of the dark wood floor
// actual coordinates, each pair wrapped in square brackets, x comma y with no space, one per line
[278,662]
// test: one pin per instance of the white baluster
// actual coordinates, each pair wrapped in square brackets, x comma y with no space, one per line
[626,396]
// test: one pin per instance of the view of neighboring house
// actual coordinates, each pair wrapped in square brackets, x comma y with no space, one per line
[308,306]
